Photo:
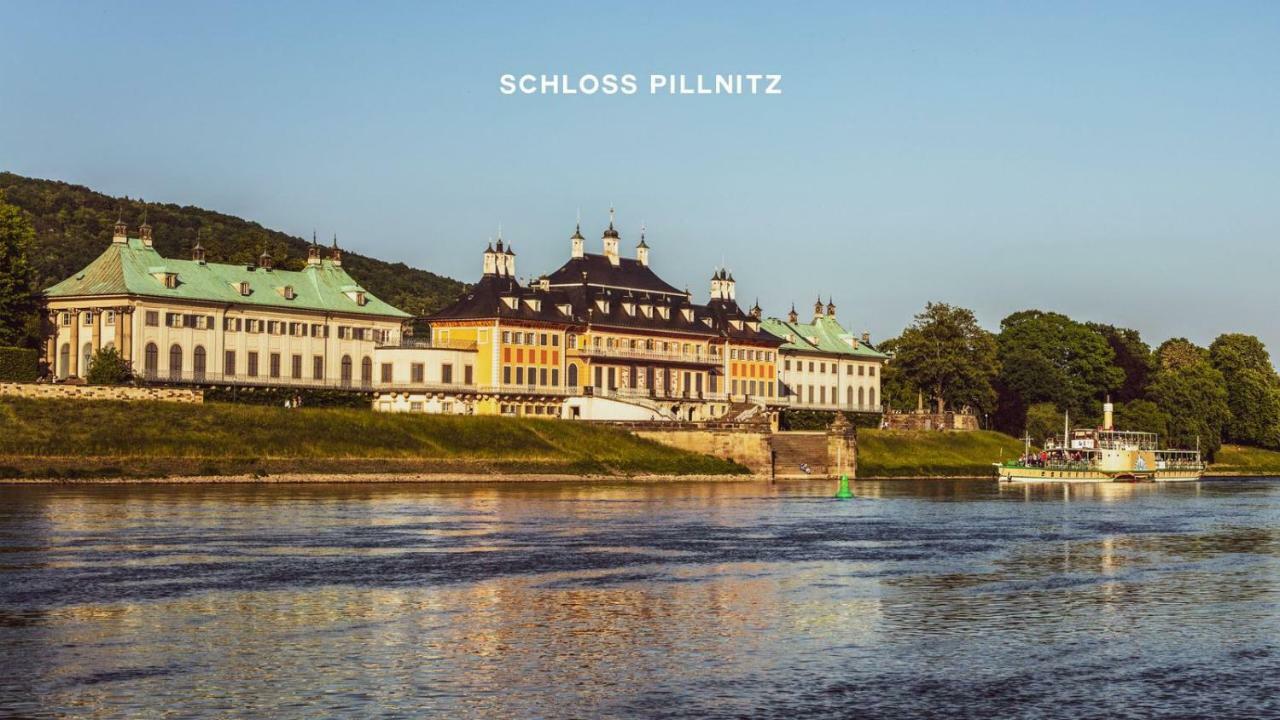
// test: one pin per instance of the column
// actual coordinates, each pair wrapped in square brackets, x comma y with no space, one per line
[51,345]
[73,366]
[96,333]
[124,326]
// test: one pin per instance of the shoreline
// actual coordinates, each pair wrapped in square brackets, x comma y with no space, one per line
[382,478]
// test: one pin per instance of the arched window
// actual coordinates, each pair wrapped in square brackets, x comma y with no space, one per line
[366,370]
[346,370]
[860,396]
[175,361]
[849,402]
[64,360]
[573,375]
[873,398]
[152,362]
[197,362]
[86,356]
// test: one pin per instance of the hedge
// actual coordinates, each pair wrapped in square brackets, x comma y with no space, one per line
[822,419]
[19,364]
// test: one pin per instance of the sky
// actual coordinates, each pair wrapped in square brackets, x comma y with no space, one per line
[1115,161]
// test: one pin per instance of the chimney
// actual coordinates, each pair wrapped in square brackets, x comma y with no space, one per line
[335,255]
[642,250]
[610,238]
[1108,415]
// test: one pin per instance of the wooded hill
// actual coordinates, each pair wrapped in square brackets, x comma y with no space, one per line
[74,224]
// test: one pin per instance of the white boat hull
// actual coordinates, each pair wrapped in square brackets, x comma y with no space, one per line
[1055,475]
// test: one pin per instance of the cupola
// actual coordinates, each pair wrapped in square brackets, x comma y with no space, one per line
[642,249]
[576,247]
[313,252]
[264,261]
[144,232]
[121,232]
[610,238]
[197,253]
[831,307]
[335,255]
[490,260]
[793,316]
[817,308]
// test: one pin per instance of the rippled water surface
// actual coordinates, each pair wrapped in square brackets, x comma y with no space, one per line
[919,599]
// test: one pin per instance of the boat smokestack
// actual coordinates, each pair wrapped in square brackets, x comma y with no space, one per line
[1108,415]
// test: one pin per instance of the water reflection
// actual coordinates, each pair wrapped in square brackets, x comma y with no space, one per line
[734,600]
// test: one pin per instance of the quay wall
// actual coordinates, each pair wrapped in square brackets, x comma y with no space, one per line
[749,448]
[68,391]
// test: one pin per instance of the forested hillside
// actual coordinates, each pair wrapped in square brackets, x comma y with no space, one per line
[73,224]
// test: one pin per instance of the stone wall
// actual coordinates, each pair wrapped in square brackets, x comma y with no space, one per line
[99,392]
[931,421]
[745,447]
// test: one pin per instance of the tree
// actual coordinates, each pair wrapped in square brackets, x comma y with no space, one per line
[1132,356]
[1253,389]
[1048,357]
[949,357]
[19,308]
[1142,416]
[1044,420]
[108,367]
[1193,394]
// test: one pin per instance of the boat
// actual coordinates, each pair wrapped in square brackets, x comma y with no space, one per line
[1102,455]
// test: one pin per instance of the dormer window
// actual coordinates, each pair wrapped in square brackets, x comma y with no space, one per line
[565,308]
[646,310]
[707,321]
[664,312]
[736,324]
[603,306]
[754,325]
[287,292]
[688,314]
[361,298]
[245,290]
[629,308]
[511,302]
[171,280]
[534,304]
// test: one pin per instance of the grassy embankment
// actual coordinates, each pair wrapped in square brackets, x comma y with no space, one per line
[901,453]
[73,439]
[1243,460]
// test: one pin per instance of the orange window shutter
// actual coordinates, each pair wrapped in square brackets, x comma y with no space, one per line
[555,357]
[544,357]
[519,355]
[506,355]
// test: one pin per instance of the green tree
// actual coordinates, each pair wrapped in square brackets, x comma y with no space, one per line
[107,367]
[1253,389]
[1192,394]
[1133,356]
[1048,357]
[19,308]
[1142,416]
[949,357]
[1043,420]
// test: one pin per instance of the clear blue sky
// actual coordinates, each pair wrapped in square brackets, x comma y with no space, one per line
[1114,161]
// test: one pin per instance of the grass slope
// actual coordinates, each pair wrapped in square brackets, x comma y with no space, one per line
[894,453]
[139,438]
[1243,460]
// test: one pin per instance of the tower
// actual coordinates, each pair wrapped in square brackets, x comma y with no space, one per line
[831,307]
[313,252]
[197,252]
[121,232]
[335,255]
[793,316]
[576,241]
[490,261]
[817,308]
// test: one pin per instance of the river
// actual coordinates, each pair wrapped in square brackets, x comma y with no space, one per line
[917,599]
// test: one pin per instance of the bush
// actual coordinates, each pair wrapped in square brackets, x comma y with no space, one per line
[822,419]
[107,367]
[19,364]
[277,396]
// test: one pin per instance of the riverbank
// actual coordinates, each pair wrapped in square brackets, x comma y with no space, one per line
[80,440]
[891,454]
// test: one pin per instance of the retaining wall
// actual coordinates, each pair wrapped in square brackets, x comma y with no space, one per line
[47,391]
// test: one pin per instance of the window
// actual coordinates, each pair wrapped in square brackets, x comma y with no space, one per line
[64,318]
[386,372]
[288,292]
[415,406]
[872,394]
[152,359]
[519,375]
[296,367]
[109,317]
[861,369]
[860,396]
[506,374]
[555,377]
[871,371]
[506,336]
[275,365]
[542,339]
[244,288]
[366,370]
[317,367]
[573,375]
[555,341]
[175,361]
[346,370]
[571,341]
[542,376]
[417,372]
[198,362]
[229,363]
[848,369]
[446,373]
[467,374]
[153,318]
[528,338]
[252,370]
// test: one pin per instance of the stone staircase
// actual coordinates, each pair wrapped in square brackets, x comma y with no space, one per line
[792,450]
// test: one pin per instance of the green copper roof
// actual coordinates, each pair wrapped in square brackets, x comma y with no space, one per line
[134,269]
[824,334]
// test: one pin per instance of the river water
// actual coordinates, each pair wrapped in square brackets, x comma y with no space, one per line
[918,599]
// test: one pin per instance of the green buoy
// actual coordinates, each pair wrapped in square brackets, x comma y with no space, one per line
[844,493]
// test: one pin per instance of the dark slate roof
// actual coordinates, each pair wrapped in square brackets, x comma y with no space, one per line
[607,307]
[628,274]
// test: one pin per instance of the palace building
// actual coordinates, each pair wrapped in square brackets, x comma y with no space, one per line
[601,337]
[822,366]
[192,321]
